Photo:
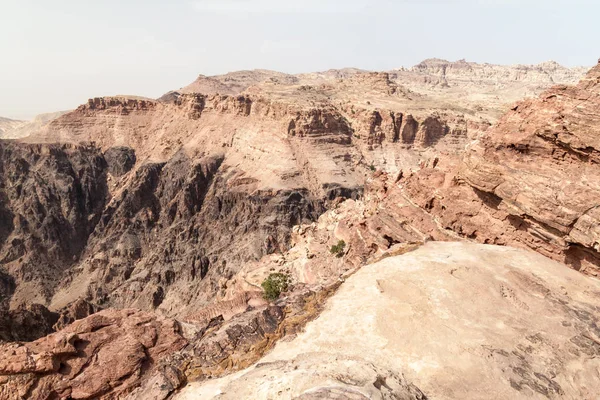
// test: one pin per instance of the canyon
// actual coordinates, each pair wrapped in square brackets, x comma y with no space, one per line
[145,228]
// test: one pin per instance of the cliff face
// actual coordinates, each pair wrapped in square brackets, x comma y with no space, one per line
[531,180]
[129,220]
[486,89]
[170,199]
[52,198]
[164,238]
[541,162]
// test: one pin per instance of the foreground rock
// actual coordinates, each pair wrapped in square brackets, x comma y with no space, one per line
[135,355]
[449,320]
[106,355]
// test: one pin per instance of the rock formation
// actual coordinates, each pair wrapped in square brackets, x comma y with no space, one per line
[532,180]
[407,328]
[143,229]
[105,355]
[463,71]
[52,199]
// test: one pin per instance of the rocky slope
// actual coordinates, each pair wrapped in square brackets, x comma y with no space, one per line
[463,72]
[181,207]
[171,199]
[255,164]
[532,180]
[252,165]
[462,86]
[73,362]
[485,88]
[403,328]
[52,198]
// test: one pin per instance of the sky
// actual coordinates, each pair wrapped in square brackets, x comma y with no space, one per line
[55,54]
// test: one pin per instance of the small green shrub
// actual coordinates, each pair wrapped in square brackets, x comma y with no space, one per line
[338,249]
[372,167]
[274,285]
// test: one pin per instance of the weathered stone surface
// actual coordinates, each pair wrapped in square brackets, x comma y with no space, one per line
[310,376]
[51,198]
[532,180]
[26,322]
[105,356]
[73,232]
[184,205]
[455,320]
[77,310]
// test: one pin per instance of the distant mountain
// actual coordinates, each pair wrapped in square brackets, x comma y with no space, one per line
[462,70]
[13,129]
[8,125]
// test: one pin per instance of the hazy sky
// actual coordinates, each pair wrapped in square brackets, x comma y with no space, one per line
[55,54]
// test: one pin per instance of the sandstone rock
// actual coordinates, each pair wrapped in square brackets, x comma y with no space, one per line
[183,205]
[448,320]
[312,376]
[77,310]
[106,356]
[550,71]
[532,180]
[94,230]
[52,198]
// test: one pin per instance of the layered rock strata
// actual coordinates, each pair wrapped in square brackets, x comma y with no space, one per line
[532,180]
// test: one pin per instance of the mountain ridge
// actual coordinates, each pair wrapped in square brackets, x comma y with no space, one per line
[169,214]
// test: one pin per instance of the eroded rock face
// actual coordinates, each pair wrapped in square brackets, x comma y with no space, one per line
[27,323]
[313,376]
[160,244]
[462,70]
[532,180]
[120,160]
[77,230]
[407,327]
[105,356]
[52,198]
[188,203]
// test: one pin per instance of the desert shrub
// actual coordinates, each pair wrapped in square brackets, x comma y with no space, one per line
[372,167]
[274,285]
[338,249]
